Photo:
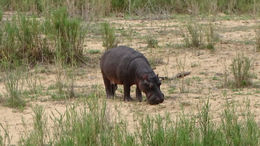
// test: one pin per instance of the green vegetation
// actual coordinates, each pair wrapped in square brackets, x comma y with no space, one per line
[13,85]
[1,140]
[27,39]
[194,35]
[199,36]
[5,138]
[241,69]
[109,37]
[23,40]
[1,14]
[39,133]
[89,124]
[106,7]
[68,35]
[151,42]
[92,51]
[258,39]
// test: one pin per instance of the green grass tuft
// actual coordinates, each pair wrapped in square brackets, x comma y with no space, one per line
[258,39]
[199,36]
[1,14]
[151,42]
[13,85]
[241,69]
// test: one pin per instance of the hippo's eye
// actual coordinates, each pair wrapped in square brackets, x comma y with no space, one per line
[151,85]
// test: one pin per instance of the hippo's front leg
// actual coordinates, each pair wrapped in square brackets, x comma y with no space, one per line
[139,94]
[127,92]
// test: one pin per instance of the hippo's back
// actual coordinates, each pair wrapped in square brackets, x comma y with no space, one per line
[114,63]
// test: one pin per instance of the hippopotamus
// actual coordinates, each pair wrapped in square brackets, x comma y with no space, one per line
[126,66]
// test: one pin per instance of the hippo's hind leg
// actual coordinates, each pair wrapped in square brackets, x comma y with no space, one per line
[138,94]
[109,87]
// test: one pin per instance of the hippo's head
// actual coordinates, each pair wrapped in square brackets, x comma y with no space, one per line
[150,85]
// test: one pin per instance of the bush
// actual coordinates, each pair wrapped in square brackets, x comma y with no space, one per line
[240,68]
[13,86]
[109,37]
[196,34]
[28,39]
[258,39]
[1,14]
[194,38]
[211,37]
[68,35]
[32,43]
[23,41]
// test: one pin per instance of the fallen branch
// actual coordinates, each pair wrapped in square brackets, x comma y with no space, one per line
[177,76]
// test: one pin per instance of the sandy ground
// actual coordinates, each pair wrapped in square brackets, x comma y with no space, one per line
[205,81]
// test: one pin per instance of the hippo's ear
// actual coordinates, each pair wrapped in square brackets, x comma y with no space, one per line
[148,84]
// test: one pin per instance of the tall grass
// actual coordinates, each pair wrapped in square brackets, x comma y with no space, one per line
[1,14]
[39,134]
[194,35]
[30,39]
[85,8]
[241,69]
[258,39]
[68,34]
[200,36]
[90,123]
[200,129]
[14,86]
[23,40]
[5,139]
[109,36]
[81,124]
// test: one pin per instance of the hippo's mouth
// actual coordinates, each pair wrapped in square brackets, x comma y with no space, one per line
[153,100]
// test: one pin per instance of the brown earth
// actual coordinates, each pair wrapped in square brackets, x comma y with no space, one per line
[207,72]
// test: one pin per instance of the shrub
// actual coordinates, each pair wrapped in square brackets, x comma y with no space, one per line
[68,35]
[211,37]
[9,43]
[258,39]
[109,37]
[199,36]
[32,44]
[240,67]
[26,38]
[23,41]
[194,35]
[1,14]
[13,86]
